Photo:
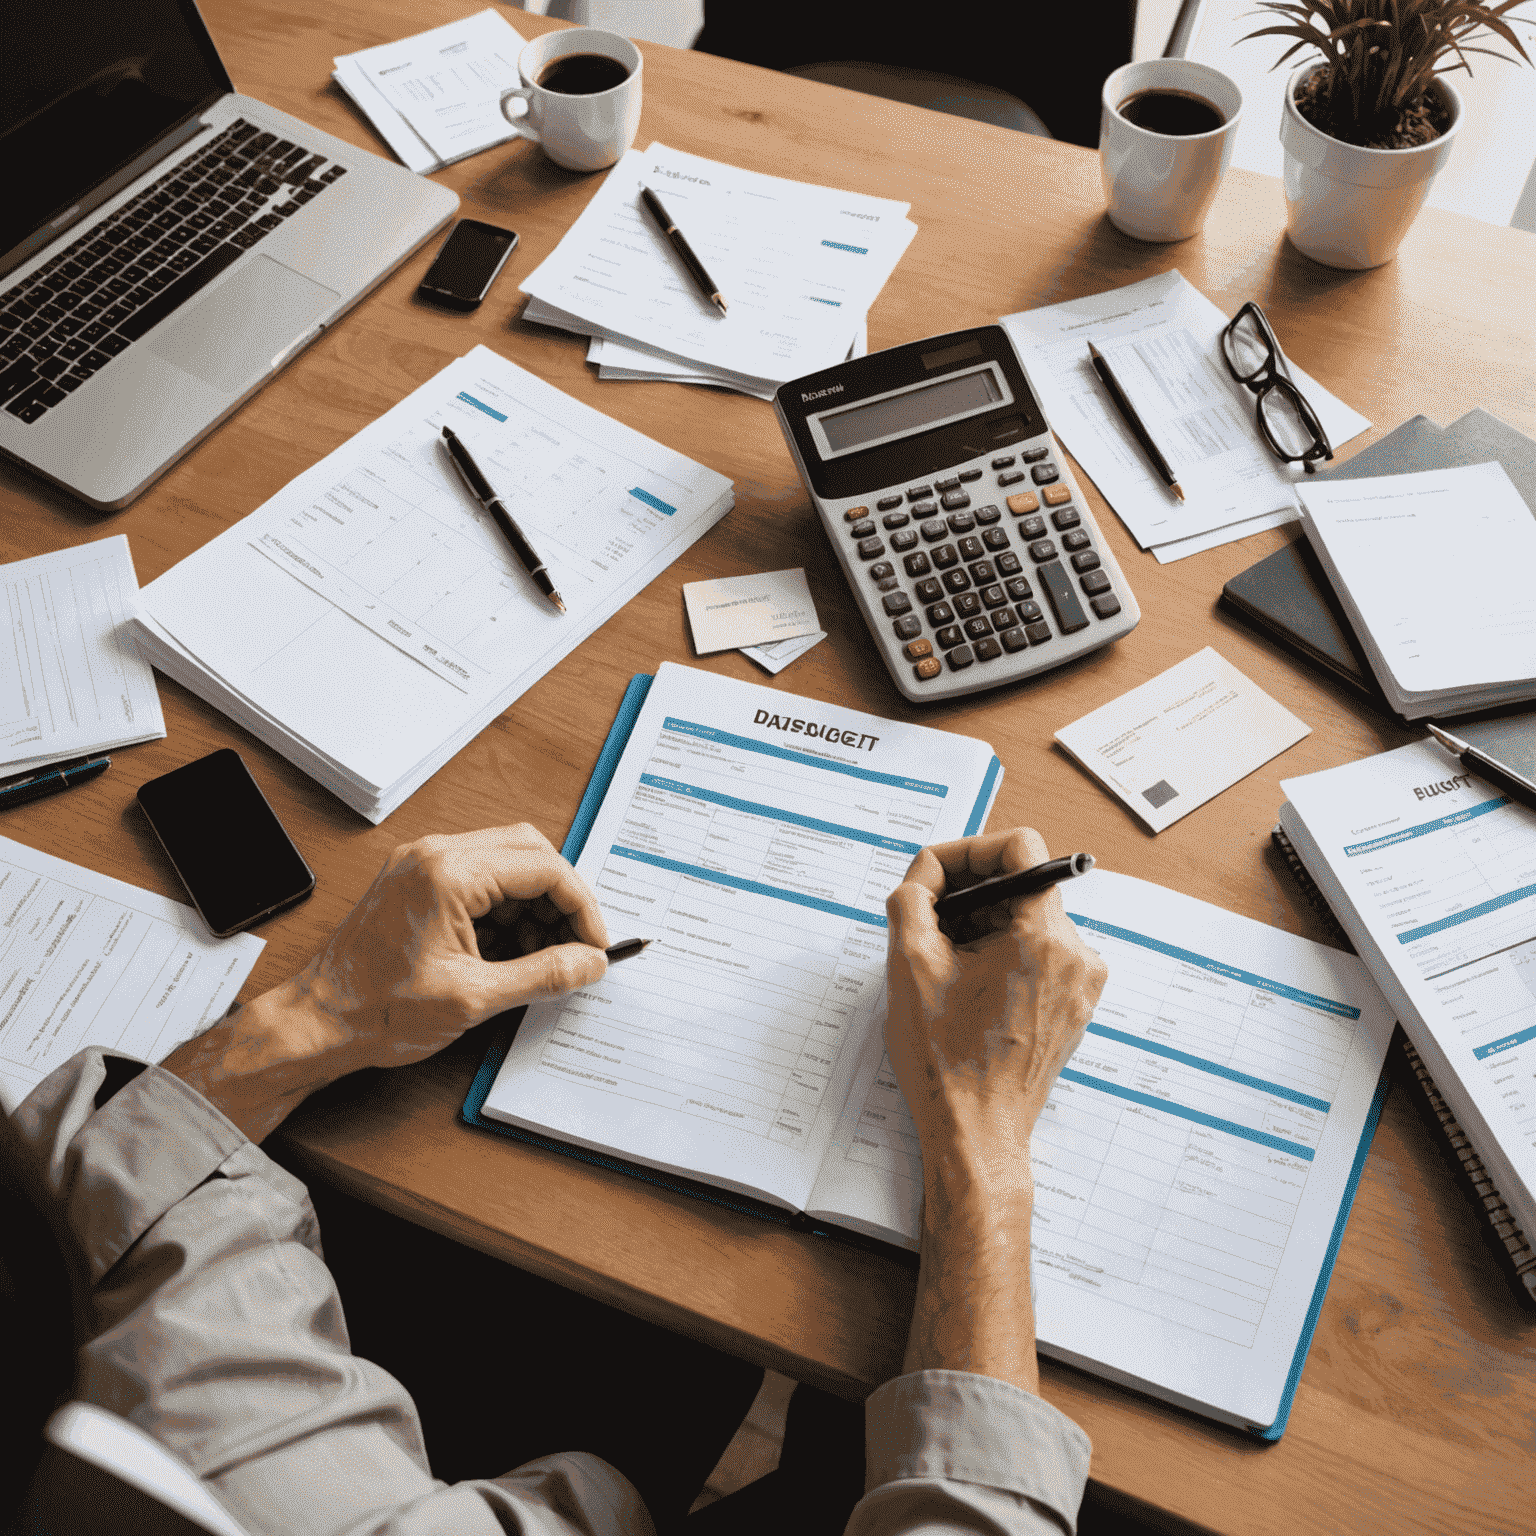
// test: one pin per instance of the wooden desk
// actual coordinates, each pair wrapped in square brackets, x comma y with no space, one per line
[1417,1405]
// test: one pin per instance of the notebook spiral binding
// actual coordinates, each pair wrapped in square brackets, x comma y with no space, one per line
[1518,1253]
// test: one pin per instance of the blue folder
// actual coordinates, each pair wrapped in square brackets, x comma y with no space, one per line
[474,1102]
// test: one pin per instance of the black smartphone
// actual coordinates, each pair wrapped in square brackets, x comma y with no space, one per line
[467,265]
[236,861]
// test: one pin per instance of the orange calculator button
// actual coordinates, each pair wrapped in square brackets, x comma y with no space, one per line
[917,649]
[1023,501]
[1055,495]
[927,667]
[853,514]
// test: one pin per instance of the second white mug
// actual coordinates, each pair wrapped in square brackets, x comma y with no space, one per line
[1160,185]
[580,96]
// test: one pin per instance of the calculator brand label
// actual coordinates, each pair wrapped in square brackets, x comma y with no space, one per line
[821,394]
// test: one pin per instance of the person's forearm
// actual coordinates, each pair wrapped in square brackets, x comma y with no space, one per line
[257,1065]
[973,1310]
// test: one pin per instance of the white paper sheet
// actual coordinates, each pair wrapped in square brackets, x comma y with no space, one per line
[74,681]
[376,612]
[88,960]
[413,151]
[445,83]
[754,837]
[1191,1159]
[733,612]
[775,657]
[799,266]
[1162,339]
[1198,543]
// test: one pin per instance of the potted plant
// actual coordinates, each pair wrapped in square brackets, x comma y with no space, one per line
[1366,129]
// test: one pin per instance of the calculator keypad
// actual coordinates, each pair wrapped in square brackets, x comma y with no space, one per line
[962,596]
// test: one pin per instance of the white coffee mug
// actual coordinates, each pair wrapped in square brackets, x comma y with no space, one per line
[1160,186]
[579,132]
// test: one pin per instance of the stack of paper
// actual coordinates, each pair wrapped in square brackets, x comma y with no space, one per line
[73,682]
[1434,572]
[799,266]
[436,97]
[1162,338]
[370,619]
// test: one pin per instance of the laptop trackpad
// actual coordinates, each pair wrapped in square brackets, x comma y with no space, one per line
[229,336]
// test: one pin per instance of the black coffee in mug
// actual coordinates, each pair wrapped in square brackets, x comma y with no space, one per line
[582,74]
[1176,113]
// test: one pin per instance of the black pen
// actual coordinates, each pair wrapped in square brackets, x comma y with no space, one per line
[625,949]
[52,780]
[1132,420]
[1024,882]
[695,267]
[1500,775]
[480,489]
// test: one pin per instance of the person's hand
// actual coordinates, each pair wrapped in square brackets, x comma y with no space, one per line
[978,1030]
[452,931]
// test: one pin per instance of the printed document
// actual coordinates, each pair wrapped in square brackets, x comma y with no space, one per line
[753,836]
[1162,338]
[1433,874]
[436,97]
[1191,1160]
[1179,740]
[799,266]
[370,618]
[1434,569]
[87,960]
[73,681]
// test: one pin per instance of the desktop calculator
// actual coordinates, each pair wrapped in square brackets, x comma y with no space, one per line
[970,549]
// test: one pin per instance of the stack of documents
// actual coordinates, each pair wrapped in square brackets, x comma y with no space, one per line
[73,682]
[1432,874]
[798,265]
[1162,339]
[370,619]
[1434,572]
[436,97]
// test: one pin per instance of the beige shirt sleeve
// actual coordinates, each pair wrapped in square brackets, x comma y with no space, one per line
[216,1327]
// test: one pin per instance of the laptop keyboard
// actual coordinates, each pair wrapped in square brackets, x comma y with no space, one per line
[94,299]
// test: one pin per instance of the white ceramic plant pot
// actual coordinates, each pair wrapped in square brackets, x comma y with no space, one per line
[1347,206]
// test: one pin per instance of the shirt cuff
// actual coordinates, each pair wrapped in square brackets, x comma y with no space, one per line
[117,1170]
[956,1426]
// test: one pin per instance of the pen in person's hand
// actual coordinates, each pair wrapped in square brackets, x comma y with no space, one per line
[1487,768]
[625,949]
[1024,882]
[52,780]
[706,283]
[480,489]
[1132,420]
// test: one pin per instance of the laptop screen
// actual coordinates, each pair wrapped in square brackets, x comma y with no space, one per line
[86,86]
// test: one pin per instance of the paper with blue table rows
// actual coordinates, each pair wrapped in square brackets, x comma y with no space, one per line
[1193,1160]
[370,619]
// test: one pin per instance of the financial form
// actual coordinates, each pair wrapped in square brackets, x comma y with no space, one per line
[72,680]
[1192,1157]
[373,613]
[753,838]
[87,960]
[1162,339]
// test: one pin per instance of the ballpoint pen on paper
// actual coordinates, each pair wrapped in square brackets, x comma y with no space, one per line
[625,949]
[1500,775]
[1132,420]
[707,285]
[1024,882]
[52,780]
[480,489]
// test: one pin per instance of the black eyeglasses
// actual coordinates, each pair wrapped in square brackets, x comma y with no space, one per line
[1253,357]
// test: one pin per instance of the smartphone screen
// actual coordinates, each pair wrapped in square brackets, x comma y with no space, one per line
[466,266]
[225,841]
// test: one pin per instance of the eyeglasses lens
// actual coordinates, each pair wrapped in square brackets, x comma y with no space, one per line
[1247,346]
[1284,420]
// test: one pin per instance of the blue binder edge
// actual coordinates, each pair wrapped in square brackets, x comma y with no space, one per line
[1346,1205]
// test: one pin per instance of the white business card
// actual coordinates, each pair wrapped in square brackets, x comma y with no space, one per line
[777,655]
[737,611]
[1174,743]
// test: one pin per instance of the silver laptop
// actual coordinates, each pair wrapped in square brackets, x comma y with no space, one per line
[170,244]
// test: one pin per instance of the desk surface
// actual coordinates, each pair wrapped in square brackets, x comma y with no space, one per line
[1417,1404]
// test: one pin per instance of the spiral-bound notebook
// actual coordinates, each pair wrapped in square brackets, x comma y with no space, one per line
[1509,1239]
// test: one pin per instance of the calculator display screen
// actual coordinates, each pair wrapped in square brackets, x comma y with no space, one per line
[911,411]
